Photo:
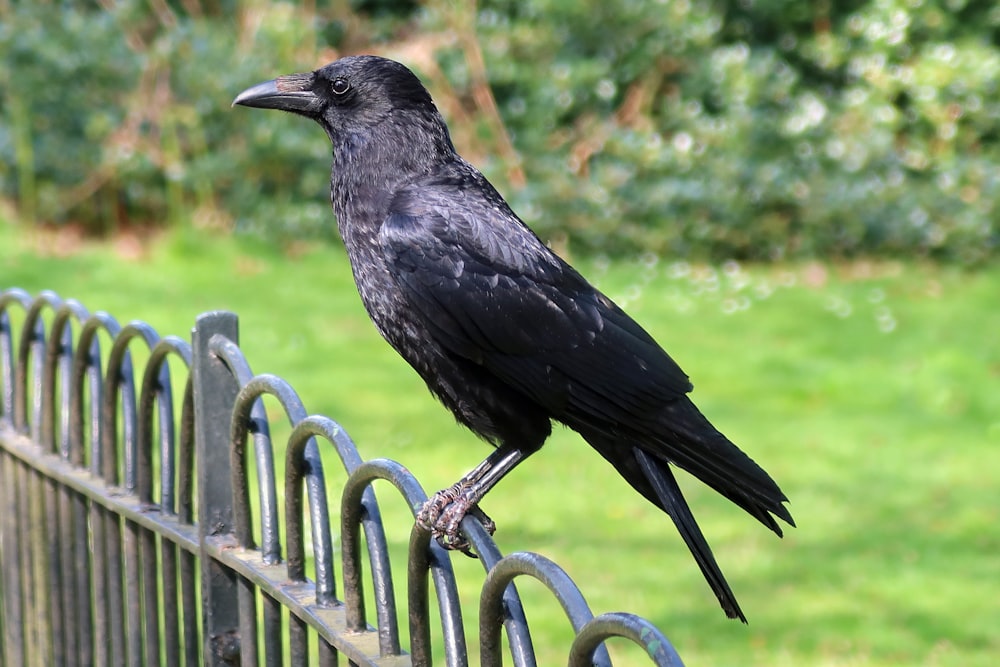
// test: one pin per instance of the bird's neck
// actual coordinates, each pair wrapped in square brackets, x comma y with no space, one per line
[372,165]
[384,157]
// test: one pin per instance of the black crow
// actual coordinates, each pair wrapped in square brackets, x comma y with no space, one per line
[505,333]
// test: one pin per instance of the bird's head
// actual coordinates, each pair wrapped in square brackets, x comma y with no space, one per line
[347,96]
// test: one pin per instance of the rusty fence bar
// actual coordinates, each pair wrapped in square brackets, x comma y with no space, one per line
[127,530]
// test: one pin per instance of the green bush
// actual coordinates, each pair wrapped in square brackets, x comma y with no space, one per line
[122,118]
[734,129]
[756,130]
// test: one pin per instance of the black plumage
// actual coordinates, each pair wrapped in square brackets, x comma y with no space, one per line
[505,333]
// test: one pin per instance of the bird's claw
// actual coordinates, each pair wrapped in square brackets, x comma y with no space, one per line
[442,515]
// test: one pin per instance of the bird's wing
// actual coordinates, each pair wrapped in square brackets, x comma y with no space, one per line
[491,292]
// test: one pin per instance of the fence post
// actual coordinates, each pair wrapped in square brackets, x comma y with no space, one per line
[215,390]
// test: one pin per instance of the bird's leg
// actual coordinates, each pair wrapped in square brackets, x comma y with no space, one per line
[443,512]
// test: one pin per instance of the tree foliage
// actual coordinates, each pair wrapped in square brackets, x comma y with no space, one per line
[758,129]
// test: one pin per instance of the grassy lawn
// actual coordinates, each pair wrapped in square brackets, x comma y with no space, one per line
[870,391]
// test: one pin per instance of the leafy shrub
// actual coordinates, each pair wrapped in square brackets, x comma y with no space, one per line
[755,130]
[732,129]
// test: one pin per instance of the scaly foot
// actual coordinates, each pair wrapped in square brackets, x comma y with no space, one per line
[442,515]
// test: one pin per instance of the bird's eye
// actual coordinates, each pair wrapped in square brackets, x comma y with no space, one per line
[340,86]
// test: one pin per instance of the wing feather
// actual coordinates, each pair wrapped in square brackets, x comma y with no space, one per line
[491,292]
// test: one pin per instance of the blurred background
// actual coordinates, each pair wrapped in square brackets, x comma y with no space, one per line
[799,200]
[762,129]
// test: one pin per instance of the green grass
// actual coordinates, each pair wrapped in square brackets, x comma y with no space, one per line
[871,392]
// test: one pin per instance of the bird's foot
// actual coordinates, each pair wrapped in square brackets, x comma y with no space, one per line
[442,515]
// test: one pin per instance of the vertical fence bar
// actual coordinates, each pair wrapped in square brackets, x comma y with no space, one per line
[55,579]
[7,628]
[13,599]
[5,637]
[33,609]
[191,630]
[99,572]
[55,409]
[83,597]
[272,630]
[171,596]
[298,642]
[84,446]
[132,574]
[4,611]
[150,598]
[115,590]
[65,544]
[189,606]
[215,391]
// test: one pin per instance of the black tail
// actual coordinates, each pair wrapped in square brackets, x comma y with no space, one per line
[685,437]
[681,435]
[670,499]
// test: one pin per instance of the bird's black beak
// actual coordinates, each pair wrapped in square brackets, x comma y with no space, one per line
[292,92]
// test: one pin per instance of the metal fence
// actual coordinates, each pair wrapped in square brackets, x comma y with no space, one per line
[126,530]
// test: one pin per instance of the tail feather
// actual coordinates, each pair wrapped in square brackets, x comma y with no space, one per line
[643,452]
[689,440]
[664,485]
